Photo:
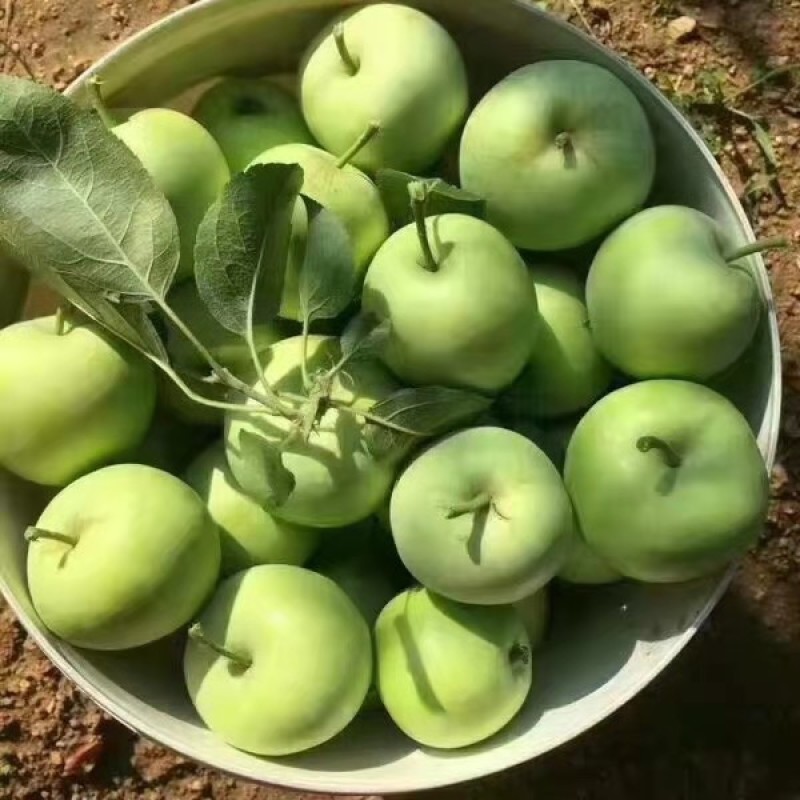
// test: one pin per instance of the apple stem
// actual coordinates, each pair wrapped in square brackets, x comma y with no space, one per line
[519,653]
[34,534]
[478,503]
[759,246]
[198,635]
[419,200]
[350,63]
[96,96]
[60,321]
[647,443]
[372,130]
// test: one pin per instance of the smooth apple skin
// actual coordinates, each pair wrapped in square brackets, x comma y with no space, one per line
[146,560]
[247,116]
[540,194]
[470,324]
[664,303]
[497,555]
[69,402]
[565,372]
[311,657]
[249,534]
[338,481]
[185,163]
[451,675]
[411,80]
[660,523]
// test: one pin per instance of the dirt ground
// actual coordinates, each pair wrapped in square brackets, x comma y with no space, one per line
[724,722]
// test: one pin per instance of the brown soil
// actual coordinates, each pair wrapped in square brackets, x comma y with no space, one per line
[724,722]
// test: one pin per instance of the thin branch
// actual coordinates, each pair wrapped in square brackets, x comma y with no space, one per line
[199,398]
[225,375]
[304,355]
[581,16]
[374,418]
[767,76]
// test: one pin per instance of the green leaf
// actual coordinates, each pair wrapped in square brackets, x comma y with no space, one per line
[364,337]
[443,198]
[266,469]
[75,201]
[425,411]
[327,281]
[243,243]
[130,321]
[764,142]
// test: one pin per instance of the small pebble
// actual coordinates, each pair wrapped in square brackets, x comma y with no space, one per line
[681,28]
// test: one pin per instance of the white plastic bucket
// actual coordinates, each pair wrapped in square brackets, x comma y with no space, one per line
[607,644]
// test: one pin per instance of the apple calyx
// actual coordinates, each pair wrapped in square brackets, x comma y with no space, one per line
[98,104]
[197,634]
[563,140]
[647,443]
[759,246]
[418,191]
[33,534]
[372,130]
[350,64]
[519,654]
[481,501]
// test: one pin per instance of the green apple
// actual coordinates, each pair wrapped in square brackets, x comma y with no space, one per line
[584,566]
[482,516]
[342,189]
[121,557]
[561,151]
[667,481]
[229,349]
[249,534]
[668,297]
[565,372]
[72,397]
[337,480]
[279,662]
[247,116]
[391,64]
[185,163]
[461,305]
[451,675]
[535,612]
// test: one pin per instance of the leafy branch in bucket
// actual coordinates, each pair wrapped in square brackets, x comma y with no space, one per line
[79,210]
[241,251]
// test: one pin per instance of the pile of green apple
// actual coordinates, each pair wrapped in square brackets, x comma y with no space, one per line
[336,556]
